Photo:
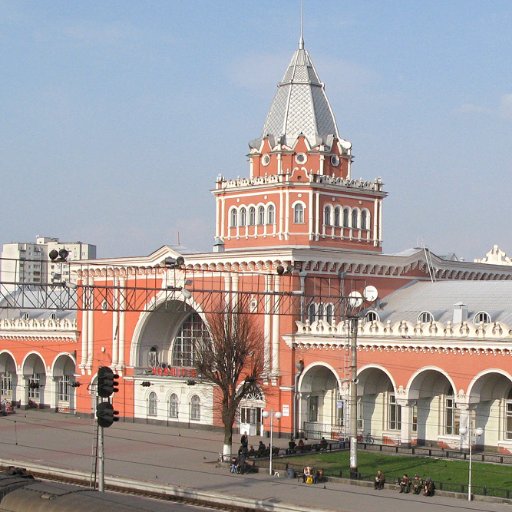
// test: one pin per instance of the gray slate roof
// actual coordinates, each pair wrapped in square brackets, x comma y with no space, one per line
[439,298]
[300,105]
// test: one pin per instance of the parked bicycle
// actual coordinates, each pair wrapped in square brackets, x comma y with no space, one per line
[365,438]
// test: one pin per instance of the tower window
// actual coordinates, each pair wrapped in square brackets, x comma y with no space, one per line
[252,216]
[243,216]
[364,219]
[298,214]
[355,215]
[327,216]
[261,215]
[271,214]
[346,216]
[233,218]
[337,216]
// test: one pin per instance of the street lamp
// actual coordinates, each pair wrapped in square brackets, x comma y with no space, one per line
[271,414]
[470,436]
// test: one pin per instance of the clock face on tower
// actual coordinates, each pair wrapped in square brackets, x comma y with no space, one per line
[265,159]
[335,160]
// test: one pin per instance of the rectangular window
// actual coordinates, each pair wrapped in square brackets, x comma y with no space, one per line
[360,421]
[33,386]
[6,390]
[508,433]
[452,417]
[313,409]
[394,413]
[415,418]
[64,388]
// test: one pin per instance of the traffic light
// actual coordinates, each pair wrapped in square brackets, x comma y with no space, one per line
[108,382]
[106,415]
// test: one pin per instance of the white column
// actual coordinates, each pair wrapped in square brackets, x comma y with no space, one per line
[406,428]
[275,329]
[317,215]
[266,325]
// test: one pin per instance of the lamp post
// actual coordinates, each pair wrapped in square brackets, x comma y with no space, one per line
[271,414]
[470,436]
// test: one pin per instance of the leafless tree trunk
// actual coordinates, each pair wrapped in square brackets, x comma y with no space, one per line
[232,359]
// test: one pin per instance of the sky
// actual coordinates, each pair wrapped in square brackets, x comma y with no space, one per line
[116,117]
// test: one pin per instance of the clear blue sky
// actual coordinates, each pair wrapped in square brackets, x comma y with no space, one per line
[116,116]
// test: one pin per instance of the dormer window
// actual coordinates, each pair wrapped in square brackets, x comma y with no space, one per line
[425,317]
[482,318]
[371,316]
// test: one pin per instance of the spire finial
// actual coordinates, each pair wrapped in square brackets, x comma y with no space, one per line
[301,40]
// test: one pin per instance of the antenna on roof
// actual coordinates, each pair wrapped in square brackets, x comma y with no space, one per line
[301,40]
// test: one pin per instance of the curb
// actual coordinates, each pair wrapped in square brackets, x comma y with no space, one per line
[159,490]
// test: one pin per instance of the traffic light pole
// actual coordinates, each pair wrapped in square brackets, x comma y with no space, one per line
[101,461]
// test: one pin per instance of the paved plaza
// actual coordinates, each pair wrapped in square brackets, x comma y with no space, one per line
[187,458]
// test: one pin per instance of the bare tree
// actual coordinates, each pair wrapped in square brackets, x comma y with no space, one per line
[232,359]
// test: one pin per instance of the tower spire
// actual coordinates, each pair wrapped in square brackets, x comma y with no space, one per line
[301,40]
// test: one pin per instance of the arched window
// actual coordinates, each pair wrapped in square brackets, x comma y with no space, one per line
[193,328]
[482,318]
[152,404]
[271,214]
[252,216]
[233,218]
[337,214]
[327,216]
[355,215]
[298,213]
[243,216]
[329,313]
[261,215]
[195,408]
[371,316]
[173,406]
[346,216]
[153,357]
[425,317]
[320,311]
[364,219]
[311,313]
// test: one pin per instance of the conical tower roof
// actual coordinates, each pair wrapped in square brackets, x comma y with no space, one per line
[300,105]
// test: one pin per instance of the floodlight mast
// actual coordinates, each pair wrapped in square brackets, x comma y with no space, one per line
[354,302]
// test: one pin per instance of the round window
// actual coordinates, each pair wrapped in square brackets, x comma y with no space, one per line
[335,160]
[301,158]
[265,159]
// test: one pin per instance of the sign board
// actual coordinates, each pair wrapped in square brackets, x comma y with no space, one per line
[286,410]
